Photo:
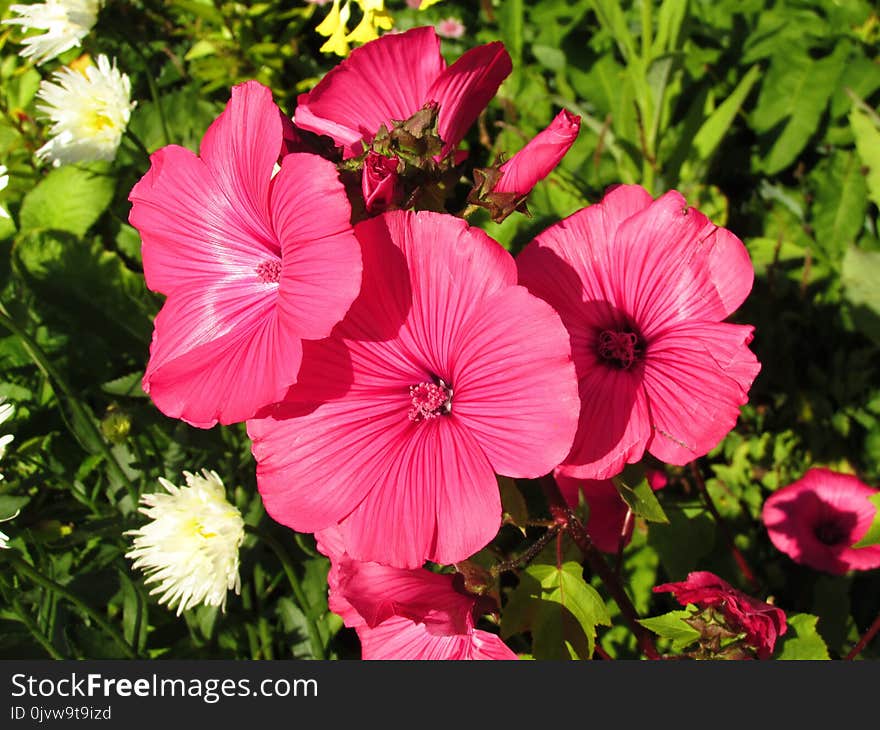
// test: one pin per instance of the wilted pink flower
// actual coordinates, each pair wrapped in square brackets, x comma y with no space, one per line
[249,270]
[392,78]
[642,286]
[817,520]
[540,156]
[380,183]
[443,372]
[450,28]
[762,623]
[405,614]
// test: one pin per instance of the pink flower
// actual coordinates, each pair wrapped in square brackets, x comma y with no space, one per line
[405,614]
[762,623]
[642,287]
[817,520]
[443,372]
[249,270]
[607,515]
[450,28]
[380,183]
[540,156]
[392,78]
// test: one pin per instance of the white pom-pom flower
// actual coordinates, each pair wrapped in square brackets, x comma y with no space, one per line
[65,22]
[89,111]
[189,549]
[4,181]
[6,411]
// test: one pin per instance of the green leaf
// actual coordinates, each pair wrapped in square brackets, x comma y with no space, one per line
[672,626]
[712,131]
[682,544]
[10,505]
[801,640]
[866,129]
[70,198]
[840,202]
[640,497]
[872,536]
[794,95]
[859,276]
[669,21]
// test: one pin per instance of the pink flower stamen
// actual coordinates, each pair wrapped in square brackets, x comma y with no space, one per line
[269,271]
[429,400]
[621,349]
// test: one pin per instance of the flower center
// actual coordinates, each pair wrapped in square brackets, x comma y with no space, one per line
[621,348]
[269,271]
[429,400]
[829,533]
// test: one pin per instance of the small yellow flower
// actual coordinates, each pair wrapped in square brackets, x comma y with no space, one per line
[335,25]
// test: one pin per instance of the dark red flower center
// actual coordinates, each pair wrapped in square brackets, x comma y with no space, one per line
[429,400]
[620,348]
[269,271]
[830,532]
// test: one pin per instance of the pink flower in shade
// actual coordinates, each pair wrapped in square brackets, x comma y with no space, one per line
[642,286]
[405,614]
[540,156]
[380,182]
[762,623]
[817,520]
[248,268]
[443,372]
[607,510]
[392,78]
[450,28]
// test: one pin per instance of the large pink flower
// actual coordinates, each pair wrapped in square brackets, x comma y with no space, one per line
[405,614]
[817,520]
[248,265]
[391,78]
[762,623]
[443,372]
[642,286]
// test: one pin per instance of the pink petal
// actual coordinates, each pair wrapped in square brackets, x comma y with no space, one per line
[607,510]
[465,88]
[614,426]
[437,474]
[514,383]
[381,81]
[540,156]
[219,353]
[321,272]
[697,375]
[399,638]
[672,264]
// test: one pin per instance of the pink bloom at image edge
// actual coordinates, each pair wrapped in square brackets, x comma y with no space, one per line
[817,520]
[392,78]
[247,268]
[540,156]
[405,614]
[443,373]
[642,286]
[761,622]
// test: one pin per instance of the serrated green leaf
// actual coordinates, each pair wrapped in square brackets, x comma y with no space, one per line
[127,385]
[672,626]
[634,489]
[872,536]
[801,640]
[70,198]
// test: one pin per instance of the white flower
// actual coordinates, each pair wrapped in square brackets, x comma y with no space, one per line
[6,411]
[66,23]
[190,548]
[4,181]
[89,112]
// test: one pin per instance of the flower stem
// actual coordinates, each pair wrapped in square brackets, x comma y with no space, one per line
[741,562]
[299,594]
[28,570]
[570,523]
[529,555]
[865,640]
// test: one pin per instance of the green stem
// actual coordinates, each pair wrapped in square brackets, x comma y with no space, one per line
[45,366]
[28,570]
[154,93]
[647,42]
[281,554]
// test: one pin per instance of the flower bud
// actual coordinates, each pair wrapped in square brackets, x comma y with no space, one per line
[380,183]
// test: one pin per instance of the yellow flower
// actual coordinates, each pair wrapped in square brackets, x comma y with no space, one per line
[375,18]
[425,4]
[335,26]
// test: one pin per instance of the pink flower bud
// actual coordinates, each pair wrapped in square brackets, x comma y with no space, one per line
[380,183]
[538,158]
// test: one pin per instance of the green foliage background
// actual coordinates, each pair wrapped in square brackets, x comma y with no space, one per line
[763,113]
